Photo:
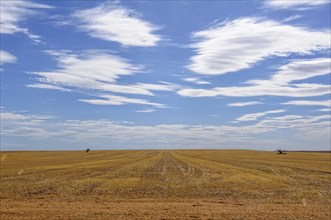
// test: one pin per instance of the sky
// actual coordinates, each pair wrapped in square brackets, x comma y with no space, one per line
[165,75]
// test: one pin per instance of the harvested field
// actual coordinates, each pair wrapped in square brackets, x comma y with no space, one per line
[152,184]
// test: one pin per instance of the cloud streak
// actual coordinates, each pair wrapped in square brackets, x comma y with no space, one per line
[47,86]
[149,110]
[255,116]
[14,12]
[90,70]
[241,104]
[6,57]
[282,83]
[326,103]
[239,44]
[120,100]
[301,4]
[196,81]
[108,134]
[97,72]
[111,22]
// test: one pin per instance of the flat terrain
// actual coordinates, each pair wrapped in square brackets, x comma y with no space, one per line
[181,184]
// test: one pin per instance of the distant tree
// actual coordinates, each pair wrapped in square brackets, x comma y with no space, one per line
[280,151]
[87,150]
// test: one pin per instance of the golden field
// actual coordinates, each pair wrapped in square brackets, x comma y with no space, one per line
[156,184]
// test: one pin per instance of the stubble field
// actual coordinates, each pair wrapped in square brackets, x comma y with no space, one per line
[152,184]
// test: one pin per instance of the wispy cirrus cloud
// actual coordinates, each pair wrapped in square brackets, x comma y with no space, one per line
[92,70]
[112,22]
[20,119]
[97,71]
[161,86]
[298,121]
[326,103]
[76,133]
[282,83]
[120,100]
[239,44]
[48,86]
[25,125]
[13,116]
[255,116]
[241,104]
[196,80]
[292,18]
[302,69]
[6,57]
[14,12]
[148,110]
[294,4]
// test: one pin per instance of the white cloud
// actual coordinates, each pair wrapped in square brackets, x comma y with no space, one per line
[326,103]
[97,71]
[120,100]
[5,115]
[292,18]
[255,116]
[241,43]
[31,126]
[166,86]
[12,116]
[13,12]
[240,104]
[146,110]
[196,81]
[298,121]
[282,83]
[76,133]
[17,120]
[98,65]
[297,90]
[48,86]
[115,23]
[6,57]
[294,4]
[301,69]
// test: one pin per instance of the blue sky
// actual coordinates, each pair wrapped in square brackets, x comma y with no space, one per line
[165,74]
